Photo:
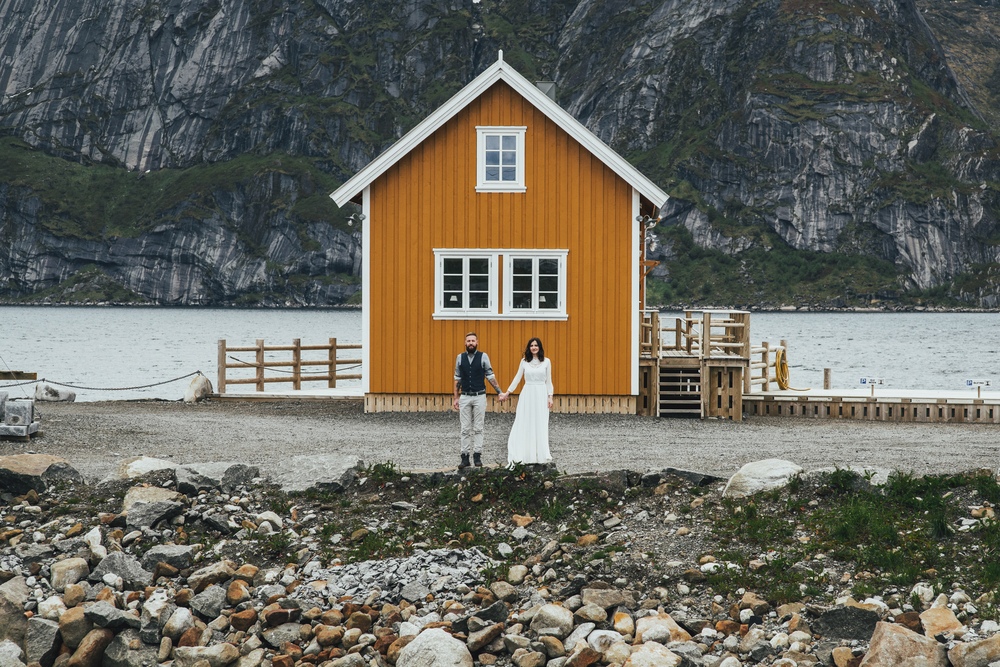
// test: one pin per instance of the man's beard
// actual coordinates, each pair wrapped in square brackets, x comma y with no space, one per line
[471,349]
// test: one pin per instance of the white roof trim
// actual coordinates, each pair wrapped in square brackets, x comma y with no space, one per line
[499,71]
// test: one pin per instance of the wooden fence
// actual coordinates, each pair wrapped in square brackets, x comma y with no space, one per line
[700,335]
[764,367]
[295,375]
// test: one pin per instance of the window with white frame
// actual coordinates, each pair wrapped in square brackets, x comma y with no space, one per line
[468,281]
[535,284]
[465,283]
[500,159]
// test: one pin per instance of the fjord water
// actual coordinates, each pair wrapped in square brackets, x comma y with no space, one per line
[126,347]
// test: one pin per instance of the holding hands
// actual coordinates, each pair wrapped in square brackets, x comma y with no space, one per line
[503,396]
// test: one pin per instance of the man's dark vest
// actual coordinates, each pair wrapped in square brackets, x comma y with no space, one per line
[473,375]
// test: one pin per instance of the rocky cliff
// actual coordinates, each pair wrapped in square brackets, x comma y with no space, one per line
[827,129]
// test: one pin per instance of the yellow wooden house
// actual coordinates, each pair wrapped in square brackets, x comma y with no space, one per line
[501,214]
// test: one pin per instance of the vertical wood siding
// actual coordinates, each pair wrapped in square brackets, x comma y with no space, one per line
[428,200]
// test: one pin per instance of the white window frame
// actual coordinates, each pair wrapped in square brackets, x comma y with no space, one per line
[534,313]
[498,257]
[465,313]
[482,185]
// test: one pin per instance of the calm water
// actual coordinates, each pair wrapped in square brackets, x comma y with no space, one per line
[123,347]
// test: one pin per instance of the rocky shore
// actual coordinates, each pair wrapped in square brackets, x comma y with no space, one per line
[214,565]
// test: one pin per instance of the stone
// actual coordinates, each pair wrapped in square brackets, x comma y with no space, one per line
[175,555]
[760,476]
[414,591]
[238,591]
[591,612]
[434,648]
[660,625]
[67,572]
[325,472]
[125,566]
[147,515]
[553,620]
[74,595]
[11,655]
[51,608]
[41,642]
[155,612]
[209,575]
[623,623]
[582,658]
[21,473]
[74,626]
[893,646]
[847,623]
[286,632]
[587,540]
[529,659]
[579,634]
[244,620]
[13,623]
[218,655]
[975,654]
[937,620]
[253,658]
[198,389]
[196,477]
[516,575]
[127,650]
[392,654]
[178,623]
[45,393]
[149,495]
[104,615]
[522,521]
[479,640]
[138,466]
[604,598]
[90,652]
[209,602]
[553,647]
[503,591]
[602,640]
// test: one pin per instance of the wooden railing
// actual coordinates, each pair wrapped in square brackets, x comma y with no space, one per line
[764,367]
[718,333]
[295,375]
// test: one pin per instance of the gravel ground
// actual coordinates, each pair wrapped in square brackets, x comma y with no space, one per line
[93,436]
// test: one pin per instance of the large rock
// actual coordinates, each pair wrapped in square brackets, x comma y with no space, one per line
[175,555]
[74,626]
[434,648]
[141,465]
[147,515]
[13,624]
[125,566]
[662,626]
[760,476]
[21,473]
[198,389]
[48,394]
[149,494]
[41,643]
[940,619]
[603,598]
[120,652]
[286,632]
[105,615]
[893,645]
[69,571]
[216,573]
[847,623]
[178,623]
[553,621]
[219,655]
[90,652]
[155,611]
[653,655]
[196,477]
[209,602]
[325,472]
[975,654]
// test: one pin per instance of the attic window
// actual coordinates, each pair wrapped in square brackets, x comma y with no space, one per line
[500,159]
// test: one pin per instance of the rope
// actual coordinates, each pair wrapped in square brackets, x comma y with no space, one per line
[252,364]
[76,386]
[781,371]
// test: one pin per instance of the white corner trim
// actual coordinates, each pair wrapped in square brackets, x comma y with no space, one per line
[500,70]
[636,312]
[366,293]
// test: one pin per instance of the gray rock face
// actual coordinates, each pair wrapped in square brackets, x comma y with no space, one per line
[147,515]
[194,478]
[286,632]
[13,624]
[434,648]
[41,643]
[209,602]
[22,472]
[176,555]
[119,654]
[125,566]
[103,615]
[325,472]
[11,655]
[847,623]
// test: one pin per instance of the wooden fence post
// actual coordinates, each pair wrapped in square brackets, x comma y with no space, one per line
[260,364]
[827,378]
[766,358]
[297,363]
[221,384]
[332,382]
[706,335]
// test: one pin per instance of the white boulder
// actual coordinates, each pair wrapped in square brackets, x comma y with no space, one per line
[198,390]
[760,476]
[44,392]
[435,648]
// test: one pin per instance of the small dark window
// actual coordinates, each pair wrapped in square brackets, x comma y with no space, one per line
[977,413]
[779,409]
[953,412]
[730,379]
[768,409]
[940,412]
[718,402]
[878,411]
[828,411]
[730,402]
[852,410]
[815,410]
[755,408]
[914,412]
[928,412]
[890,412]
[865,412]
[840,410]
[965,413]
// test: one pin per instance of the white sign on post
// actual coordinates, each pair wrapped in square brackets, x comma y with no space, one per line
[872,382]
[978,383]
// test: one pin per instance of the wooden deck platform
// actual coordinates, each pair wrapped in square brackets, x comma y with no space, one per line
[901,405]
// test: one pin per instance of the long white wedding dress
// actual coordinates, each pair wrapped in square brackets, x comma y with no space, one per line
[529,437]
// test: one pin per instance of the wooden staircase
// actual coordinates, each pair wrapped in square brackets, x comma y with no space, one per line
[680,391]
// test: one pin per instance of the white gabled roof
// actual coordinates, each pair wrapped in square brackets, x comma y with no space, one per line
[499,71]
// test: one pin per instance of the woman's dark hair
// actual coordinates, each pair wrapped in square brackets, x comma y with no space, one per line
[527,350]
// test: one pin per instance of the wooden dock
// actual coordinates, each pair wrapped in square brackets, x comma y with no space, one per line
[901,405]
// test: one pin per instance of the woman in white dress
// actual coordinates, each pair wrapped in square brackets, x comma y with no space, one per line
[529,437]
